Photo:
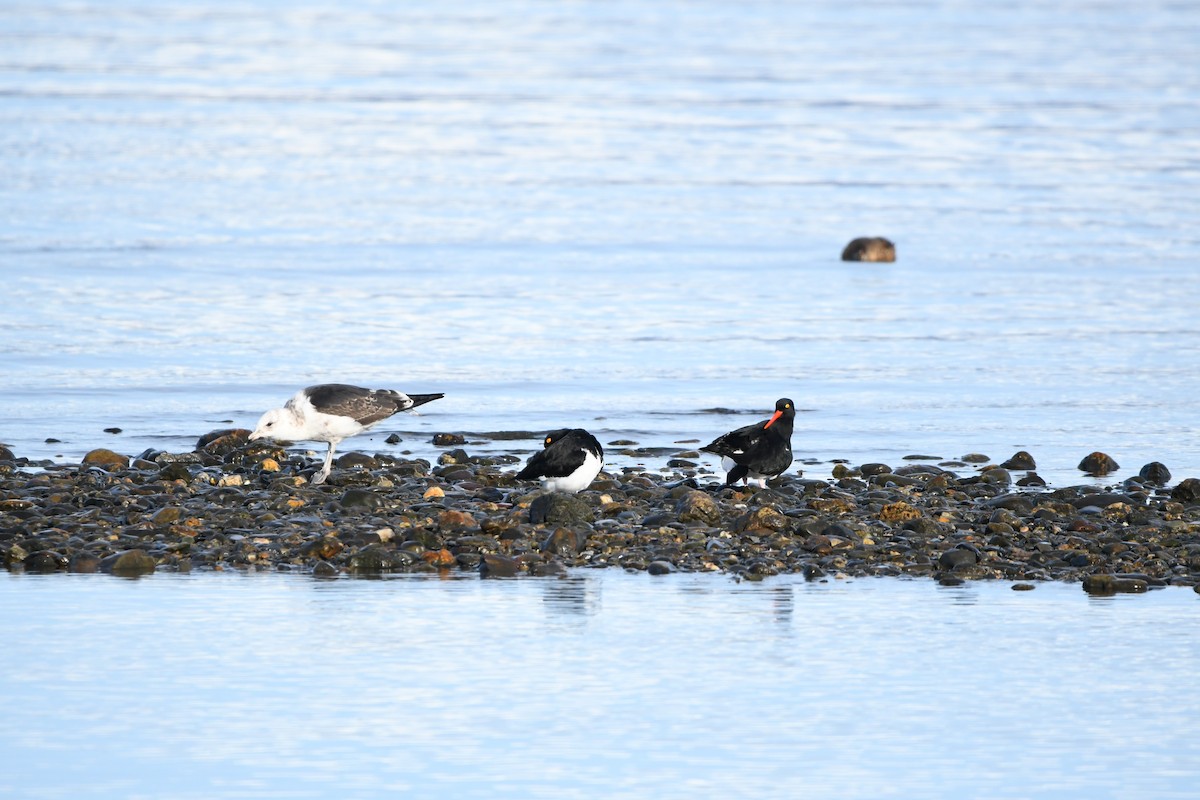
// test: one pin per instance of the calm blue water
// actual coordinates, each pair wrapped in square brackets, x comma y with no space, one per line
[614,215]
[604,684]
[611,214]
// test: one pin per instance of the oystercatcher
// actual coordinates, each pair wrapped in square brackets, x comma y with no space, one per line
[331,412]
[571,460]
[760,451]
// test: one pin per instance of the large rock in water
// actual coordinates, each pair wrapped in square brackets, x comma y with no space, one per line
[129,564]
[869,248]
[1098,463]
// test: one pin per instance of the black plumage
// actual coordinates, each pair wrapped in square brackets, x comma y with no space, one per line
[758,451]
[570,460]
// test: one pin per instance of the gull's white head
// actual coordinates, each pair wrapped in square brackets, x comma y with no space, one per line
[276,424]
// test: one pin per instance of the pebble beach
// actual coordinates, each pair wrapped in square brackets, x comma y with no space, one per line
[233,505]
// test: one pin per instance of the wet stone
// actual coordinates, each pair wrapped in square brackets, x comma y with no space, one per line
[559,508]
[106,459]
[869,248]
[129,563]
[957,558]
[565,541]
[493,565]
[448,439]
[1098,463]
[1156,473]
[660,567]
[1113,584]
[1187,491]
[83,563]
[6,454]
[1020,460]
[45,561]
[361,498]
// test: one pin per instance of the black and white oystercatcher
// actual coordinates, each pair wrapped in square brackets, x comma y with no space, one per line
[571,460]
[331,412]
[760,451]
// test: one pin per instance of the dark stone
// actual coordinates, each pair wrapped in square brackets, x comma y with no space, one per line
[323,569]
[869,248]
[448,439]
[764,519]
[660,567]
[1016,503]
[6,454]
[565,541]
[45,561]
[112,430]
[1022,587]
[957,557]
[223,440]
[83,562]
[494,565]
[997,476]
[975,458]
[393,438]
[559,508]
[867,470]
[130,563]
[455,456]
[1187,491]
[1020,460]
[1032,480]
[373,560]
[1155,472]
[174,471]
[361,498]
[1101,500]
[351,460]
[1112,584]
[1098,463]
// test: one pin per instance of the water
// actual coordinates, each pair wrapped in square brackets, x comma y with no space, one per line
[614,215]
[609,214]
[602,684]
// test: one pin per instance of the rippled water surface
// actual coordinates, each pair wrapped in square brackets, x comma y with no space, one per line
[610,214]
[603,684]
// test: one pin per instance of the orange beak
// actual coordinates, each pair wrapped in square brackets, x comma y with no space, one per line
[771,421]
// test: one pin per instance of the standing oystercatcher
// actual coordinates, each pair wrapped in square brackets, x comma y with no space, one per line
[760,451]
[571,460]
[331,412]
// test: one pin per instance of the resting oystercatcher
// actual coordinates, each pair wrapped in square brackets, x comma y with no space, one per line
[760,451]
[571,460]
[331,412]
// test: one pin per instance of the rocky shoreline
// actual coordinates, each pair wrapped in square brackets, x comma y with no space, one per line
[234,505]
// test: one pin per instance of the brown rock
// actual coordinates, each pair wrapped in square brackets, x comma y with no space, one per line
[869,248]
[898,512]
[106,459]
[762,519]
[1098,463]
[130,563]
[697,506]
[440,558]
[456,520]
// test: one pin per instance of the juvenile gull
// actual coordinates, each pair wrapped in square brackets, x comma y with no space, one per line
[331,412]
[760,451]
[571,460]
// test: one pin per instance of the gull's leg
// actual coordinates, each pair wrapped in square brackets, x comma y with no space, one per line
[326,467]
